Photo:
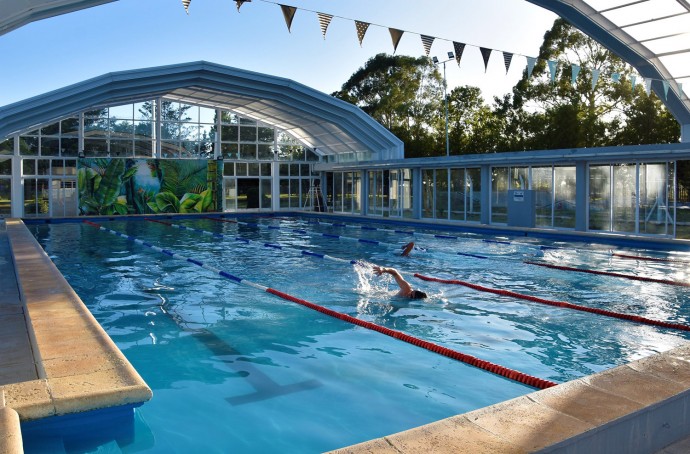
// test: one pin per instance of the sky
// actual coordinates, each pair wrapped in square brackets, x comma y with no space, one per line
[129,34]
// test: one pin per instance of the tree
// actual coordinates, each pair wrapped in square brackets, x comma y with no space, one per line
[402,93]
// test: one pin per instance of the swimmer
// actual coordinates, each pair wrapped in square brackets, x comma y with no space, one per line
[407,248]
[406,289]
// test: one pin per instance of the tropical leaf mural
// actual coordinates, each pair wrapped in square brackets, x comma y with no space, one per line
[143,186]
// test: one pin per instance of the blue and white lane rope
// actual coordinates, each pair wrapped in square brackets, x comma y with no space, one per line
[511,374]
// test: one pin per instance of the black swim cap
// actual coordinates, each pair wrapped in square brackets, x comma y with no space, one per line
[417,295]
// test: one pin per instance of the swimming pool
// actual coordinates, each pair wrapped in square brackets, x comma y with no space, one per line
[237,369]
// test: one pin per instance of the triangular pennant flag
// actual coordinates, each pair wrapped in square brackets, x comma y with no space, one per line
[552,69]
[324,22]
[633,80]
[575,70]
[186,3]
[240,3]
[427,41]
[361,30]
[288,14]
[459,49]
[648,86]
[616,77]
[507,57]
[531,61]
[666,85]
[595,77]
[395,37]
[486,54]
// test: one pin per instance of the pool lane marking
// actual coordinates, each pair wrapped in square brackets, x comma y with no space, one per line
[648,259]
[562,304]
[609,273]
[511,374]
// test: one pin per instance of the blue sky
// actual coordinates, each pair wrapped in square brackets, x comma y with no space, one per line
[129,34]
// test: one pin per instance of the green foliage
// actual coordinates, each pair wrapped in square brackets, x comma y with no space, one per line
[100,186]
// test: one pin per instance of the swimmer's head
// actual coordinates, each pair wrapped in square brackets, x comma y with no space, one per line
[418,295]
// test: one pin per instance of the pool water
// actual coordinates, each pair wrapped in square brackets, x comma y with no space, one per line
[235,369]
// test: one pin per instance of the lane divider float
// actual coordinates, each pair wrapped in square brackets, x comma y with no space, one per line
[609,273]
[563,304]
[511,374]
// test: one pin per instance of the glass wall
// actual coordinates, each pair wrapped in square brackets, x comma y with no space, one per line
[453,194]
[564,186]
[401,185]
[656,210]
[346,192]
[379,191]
[499,194]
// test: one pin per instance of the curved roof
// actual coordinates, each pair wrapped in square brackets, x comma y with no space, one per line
[326,124]
[652,35]
[17,13]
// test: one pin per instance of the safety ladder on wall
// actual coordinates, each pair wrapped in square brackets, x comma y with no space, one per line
[315,199]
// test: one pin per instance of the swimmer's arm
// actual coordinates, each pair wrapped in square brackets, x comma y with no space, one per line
[405,287]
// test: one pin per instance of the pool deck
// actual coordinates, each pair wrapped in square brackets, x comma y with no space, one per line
[55,358]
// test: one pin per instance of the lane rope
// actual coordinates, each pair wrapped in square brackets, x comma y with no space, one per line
[609,273]
[648,259]
[563,304]
[511,374]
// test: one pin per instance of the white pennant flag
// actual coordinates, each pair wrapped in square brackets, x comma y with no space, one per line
[186,3]
[648,86]
[531,61]
[595,77]
[575,72]
[324,22]
[552,69]
[633,80]
[666,85]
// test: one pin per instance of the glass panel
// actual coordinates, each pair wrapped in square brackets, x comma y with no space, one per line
[253,169]
[247,121]
[230,150]
[143,148]
[473,191]
[347,192]
[356,192]
[304,186]
[69,147]
[286,193]
[542,184]
[406,193]
[284,170]
[227,117]
[241,168]
[265,170]
[70,166]
[123,148]
[338,192]
[265,194]
[95,147]
[599,198]
[36,201]
[229,168]
[143,129]
[457,194]
[125,111]
[7,146]
[266,152]
[655,213]
[248,151]
[189,149]
[427,193]
[6,166]
[191,113]
[70,127]
[51,129]
[189,132]
[29,167]
[624,197]
[170,149]
[564,194]
[5,196]
[64,197]
[266,135]
[170,130]
[142,110]
[50,147]
[441,194]
[247,134]
[100,113]
[43,166]
[230,194]
[28,146]
[499,195]
[519,178]
[95,127]
[207,115]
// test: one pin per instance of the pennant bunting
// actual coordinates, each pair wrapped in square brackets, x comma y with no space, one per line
[395,37]
[616,77]
[324,22]
[666,85]
[486,54]
[427,41]
[459,49]
[186,3]
[531,61]
[595,77]
[361,30]
[633,80]
[552,69]
[575,70]
[507,57]
[648,86]
[288,14]
[240,3]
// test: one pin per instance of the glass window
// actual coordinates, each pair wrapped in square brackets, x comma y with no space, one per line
[143,148]
[624,197]
[656,214]
[69,147]
[599,197]
[170,130]
[28,146]
[95,147]
[29,167]
[428,193]
[265,193]
[247,121]
[284,170]
[248,151]
[253,169]
[241,168]
[247,134]
[6,166]
[542,184]
[288,194]
[143,129]
[121,129]
[5,196]
[7,146]
[265,170]
[123,148]
[43,166]
[189,132]
[50,146]
[499,195]
[230,150]
[70,127]
[51,129]
[473,200]
[95,127]
[441,194]
[564,196]
[230,193]
[229,133]
[207,115]
[457,194]
[229,168]
[266,135]
[125,111]
[265,152]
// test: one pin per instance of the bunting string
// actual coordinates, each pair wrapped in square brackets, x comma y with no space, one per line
[459,47]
